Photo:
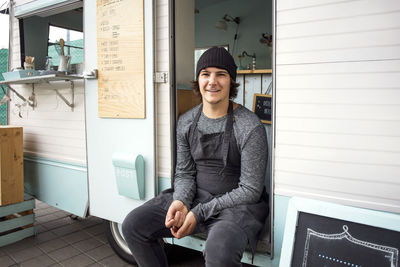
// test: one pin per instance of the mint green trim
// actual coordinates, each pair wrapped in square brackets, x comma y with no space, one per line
[17,207]
[259,259]
[280,209]
[16,222]
[190,242]
[59,184]
[129,174]
[16,236]
[52,162]
[36,6]
[163,184]
[139,165]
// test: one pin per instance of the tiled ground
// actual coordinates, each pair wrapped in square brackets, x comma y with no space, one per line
[64,241]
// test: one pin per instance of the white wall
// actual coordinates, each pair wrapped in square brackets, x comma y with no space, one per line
[163,97]
[338,101]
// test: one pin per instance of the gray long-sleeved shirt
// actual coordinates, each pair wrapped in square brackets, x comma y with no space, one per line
[252,144]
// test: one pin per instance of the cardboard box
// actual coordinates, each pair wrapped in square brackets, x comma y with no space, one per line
[11,165]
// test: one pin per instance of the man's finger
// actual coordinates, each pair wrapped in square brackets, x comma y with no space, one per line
[170,223]
[178,218]
[185,230]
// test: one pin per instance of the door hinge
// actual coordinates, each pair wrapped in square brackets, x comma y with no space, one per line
[161,77]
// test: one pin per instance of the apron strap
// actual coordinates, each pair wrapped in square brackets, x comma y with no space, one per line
[227,136]
[193,127]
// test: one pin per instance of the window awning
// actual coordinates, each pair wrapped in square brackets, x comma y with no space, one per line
[44,8]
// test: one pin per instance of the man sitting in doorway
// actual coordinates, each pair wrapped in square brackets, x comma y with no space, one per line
[219,179]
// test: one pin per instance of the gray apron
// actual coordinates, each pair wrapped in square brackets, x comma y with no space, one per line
[218,162]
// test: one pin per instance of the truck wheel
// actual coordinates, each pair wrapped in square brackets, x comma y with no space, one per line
[117,242]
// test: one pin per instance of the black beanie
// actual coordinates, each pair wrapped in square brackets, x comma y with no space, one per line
[217,57]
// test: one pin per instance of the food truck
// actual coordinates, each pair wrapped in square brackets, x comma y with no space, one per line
[98,87]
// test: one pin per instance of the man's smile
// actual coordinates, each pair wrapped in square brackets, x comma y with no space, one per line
[212,90]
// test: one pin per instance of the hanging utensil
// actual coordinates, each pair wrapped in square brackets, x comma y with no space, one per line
[32,98]
[62,46]
[5,99]
[57,47]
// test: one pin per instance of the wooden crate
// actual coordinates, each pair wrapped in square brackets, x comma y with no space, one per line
[17,221]
[11,165]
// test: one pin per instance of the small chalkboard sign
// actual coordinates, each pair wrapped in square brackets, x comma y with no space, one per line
[326,234]
[262,106]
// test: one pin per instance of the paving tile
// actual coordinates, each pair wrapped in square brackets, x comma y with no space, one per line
[94,219]
[61,214]
[101,252]
[41,261]
[90,221]
[40,228]
[64,253]
[44,237]
[6,261]
[114,261]
[102,237]
[45,211]
[46,218]
[52,245]
[20,245]
[66,229]
[40,212]
[57,223]
[96,264]
[26,254]
[88,244]
[95,230]
[40,205]
[76,237]
[2,252]
[78,261]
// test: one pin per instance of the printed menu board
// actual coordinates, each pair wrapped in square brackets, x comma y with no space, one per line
[120,59]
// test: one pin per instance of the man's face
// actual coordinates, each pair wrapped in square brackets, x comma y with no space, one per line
[214,85]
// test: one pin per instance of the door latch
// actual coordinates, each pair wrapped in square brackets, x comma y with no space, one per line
[161,77]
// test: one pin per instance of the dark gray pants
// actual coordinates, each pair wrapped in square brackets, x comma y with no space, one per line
[145,225]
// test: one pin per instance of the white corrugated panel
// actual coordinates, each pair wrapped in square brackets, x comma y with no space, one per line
[338,101]
[164,151]
[52,130]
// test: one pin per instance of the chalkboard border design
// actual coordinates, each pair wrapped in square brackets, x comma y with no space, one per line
[384,220]
[345,234]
